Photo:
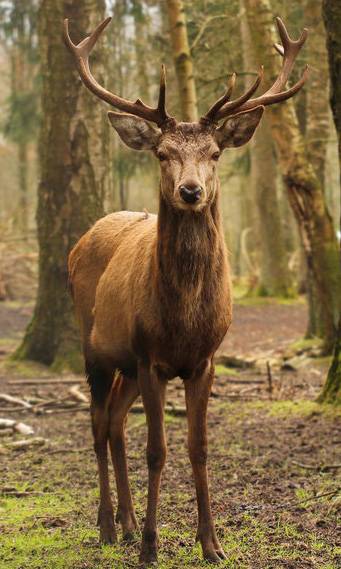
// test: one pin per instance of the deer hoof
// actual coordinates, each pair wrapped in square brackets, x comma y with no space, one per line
[148,554]
[130,536]
[107,529]
[213,556]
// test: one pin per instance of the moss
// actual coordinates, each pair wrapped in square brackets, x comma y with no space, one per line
[71,361]
[302,408]
[223,370]
[26,368]
[306,344]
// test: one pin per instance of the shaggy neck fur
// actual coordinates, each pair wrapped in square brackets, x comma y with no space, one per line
[190,256]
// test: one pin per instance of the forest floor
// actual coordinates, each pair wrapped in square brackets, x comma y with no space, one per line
[273,461]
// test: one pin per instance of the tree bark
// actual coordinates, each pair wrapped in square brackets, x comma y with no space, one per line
[304,189]
[274,273]
[332,22]
[274,278]
[182,60]
[23,186]
[317,115]
[73,149]
[316,128]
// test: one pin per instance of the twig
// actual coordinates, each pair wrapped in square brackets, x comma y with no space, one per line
[6,423]
[19,494]
[25,443]
[11,399]
[77,394]
[44,382]
[232,380]
[317,467]
[203,28]
[69,450]
[269,375]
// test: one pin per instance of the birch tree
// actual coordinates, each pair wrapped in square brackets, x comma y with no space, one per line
[182,60]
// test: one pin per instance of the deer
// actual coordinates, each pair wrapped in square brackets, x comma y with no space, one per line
[152,294]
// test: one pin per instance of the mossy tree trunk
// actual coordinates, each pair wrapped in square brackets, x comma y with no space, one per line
[73,164]
[317,116]
[332,22]
[274,277]
[304,190]
[182,60]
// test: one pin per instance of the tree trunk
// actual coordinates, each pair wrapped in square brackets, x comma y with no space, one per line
[274,279]
[304,189]
[332,22]
[316,128]
[20,87]
[182,60]
[274,273]
[73,151]
[317,115]
[23,186]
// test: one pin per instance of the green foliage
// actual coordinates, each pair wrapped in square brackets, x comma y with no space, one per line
[18,29]
[21,123]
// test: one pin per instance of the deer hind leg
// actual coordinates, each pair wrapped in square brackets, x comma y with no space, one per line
[153,391]
[100,381]
[123,394]
[197,390]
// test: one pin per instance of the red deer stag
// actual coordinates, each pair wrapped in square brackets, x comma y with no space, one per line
[152,293]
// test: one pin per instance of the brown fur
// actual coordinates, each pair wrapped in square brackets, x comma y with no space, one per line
[152,294]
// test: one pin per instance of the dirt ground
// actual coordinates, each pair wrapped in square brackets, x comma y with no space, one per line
[274,458]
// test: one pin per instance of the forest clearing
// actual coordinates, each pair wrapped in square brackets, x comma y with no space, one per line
[170,284]
[274,461]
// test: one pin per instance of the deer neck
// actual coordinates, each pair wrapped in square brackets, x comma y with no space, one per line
[190,259]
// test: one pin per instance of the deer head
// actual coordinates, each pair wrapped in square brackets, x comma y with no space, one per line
[189,152]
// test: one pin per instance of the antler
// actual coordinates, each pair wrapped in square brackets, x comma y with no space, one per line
[288,50]
[81,53]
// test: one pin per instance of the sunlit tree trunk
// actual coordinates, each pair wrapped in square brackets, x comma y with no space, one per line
[316,127]
[73,166]
[304,189]
[274,279]
[182,60]
[332,22]
[274,273]
[317,111]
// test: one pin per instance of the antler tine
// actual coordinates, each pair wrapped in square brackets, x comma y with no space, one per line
[229,107]
[222,107]
[161,104]
[222,100]
[289,51]
[275,94]
[81,52]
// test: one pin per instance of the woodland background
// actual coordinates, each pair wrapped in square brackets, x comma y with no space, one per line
[62,168]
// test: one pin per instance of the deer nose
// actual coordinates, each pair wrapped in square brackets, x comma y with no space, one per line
[190,194]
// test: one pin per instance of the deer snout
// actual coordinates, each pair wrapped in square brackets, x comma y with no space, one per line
[190,193]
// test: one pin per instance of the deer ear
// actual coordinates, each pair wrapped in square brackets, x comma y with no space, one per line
[134,131]
[238,129]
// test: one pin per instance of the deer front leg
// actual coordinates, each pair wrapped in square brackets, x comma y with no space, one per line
[123,394]
[100,381]
[197,390]
[153,393]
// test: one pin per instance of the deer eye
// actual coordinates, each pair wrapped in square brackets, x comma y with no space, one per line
[161,156]
[216,156]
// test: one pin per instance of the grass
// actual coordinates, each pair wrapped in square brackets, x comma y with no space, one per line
[57,528]
[224,370]
[35,532]
[299,408]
